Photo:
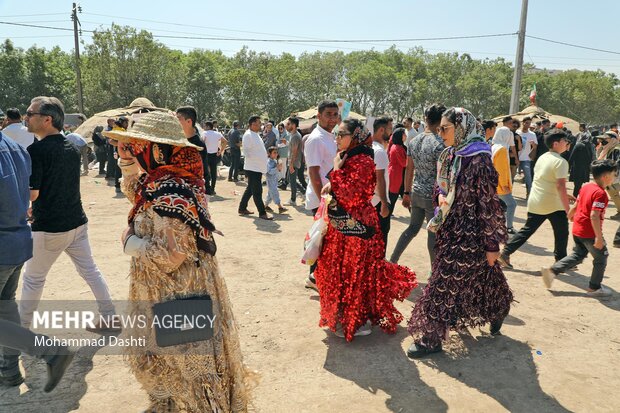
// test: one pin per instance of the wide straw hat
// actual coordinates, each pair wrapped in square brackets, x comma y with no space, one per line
[158,127]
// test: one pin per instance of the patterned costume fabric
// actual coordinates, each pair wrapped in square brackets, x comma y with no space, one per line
[200,377]
[175,190]
[464,290]
[355,282]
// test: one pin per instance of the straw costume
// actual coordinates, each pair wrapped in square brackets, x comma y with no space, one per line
[173,256]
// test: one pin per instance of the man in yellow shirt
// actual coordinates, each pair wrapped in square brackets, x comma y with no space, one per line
[548,199]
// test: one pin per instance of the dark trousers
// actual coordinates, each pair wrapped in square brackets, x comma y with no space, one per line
[294,177]
[393,197]
[421,208]
[617,238]
[559,223]
[582,247]
[235,163]
[578,185]
[101,158]
[212,160]
[384,223]
[301,176]
[253,190]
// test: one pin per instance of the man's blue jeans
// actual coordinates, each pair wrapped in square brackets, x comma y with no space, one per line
[9,278]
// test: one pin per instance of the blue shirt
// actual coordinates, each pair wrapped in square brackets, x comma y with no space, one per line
[15,236]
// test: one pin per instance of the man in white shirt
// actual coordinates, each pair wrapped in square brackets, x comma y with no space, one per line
[214,142]
[505,137]
[382,128]
[530,142]
[16,130]
[320,150]
[255,166]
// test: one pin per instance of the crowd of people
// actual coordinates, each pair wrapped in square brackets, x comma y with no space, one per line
[453,171]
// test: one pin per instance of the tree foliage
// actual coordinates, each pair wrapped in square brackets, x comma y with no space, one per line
[122,63]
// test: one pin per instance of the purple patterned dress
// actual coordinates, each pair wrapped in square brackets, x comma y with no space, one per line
[463,290]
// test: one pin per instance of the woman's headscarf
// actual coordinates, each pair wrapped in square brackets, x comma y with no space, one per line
[613,141]
[468,141]
[173,186]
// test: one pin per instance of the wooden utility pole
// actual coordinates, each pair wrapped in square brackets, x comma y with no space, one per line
[516,80]
[78,72]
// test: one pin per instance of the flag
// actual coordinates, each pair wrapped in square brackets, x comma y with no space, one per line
[533,95]
[344,108]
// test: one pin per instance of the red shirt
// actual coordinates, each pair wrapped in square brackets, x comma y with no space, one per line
[591,197]
[398,161]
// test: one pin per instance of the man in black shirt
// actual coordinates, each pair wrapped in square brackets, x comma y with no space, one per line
[234,143]
[187,117]
[58,219]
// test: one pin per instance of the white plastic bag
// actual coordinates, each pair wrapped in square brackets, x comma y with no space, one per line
[314,237]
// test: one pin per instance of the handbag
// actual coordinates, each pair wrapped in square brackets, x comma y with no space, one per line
[183,320]
[342,221]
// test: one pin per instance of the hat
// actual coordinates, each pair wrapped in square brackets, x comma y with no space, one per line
[611,134]
[158,127]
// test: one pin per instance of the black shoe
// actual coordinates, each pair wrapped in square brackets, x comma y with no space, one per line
[268,209]
[12,381]
[56,369]
[504,261]
[511,231]
[616,245]
[496,326]
[417,351]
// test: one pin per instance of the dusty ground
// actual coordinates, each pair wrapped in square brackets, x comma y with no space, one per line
[559,351]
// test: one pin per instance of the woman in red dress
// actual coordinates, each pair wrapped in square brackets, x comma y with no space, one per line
[357,286]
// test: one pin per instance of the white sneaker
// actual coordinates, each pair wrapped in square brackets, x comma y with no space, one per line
[548,276]
[601,292]
[311,285]
[291,203]
[364,330]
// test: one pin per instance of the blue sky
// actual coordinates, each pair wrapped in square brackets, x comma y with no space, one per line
[572,21]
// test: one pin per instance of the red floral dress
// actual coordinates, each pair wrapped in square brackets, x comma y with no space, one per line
[355,282]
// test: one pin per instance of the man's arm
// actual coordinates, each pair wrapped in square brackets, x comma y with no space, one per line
[408,181]
[595,219]
[315,179]
[381,184]
[294,148]
[560,184]
[513,151]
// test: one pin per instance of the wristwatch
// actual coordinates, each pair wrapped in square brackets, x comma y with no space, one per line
[406,193]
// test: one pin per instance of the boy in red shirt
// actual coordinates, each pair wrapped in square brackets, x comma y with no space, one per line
[587,215]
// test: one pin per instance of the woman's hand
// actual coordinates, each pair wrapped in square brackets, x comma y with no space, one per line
[338,162]
[492,257]
[326,189]
[441,201]
[129,231]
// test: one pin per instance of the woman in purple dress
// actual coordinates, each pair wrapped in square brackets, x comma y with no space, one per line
[467,287]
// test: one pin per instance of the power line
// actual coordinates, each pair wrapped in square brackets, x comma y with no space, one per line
[236,39]
[574,45]
[34,15]
[36,26]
